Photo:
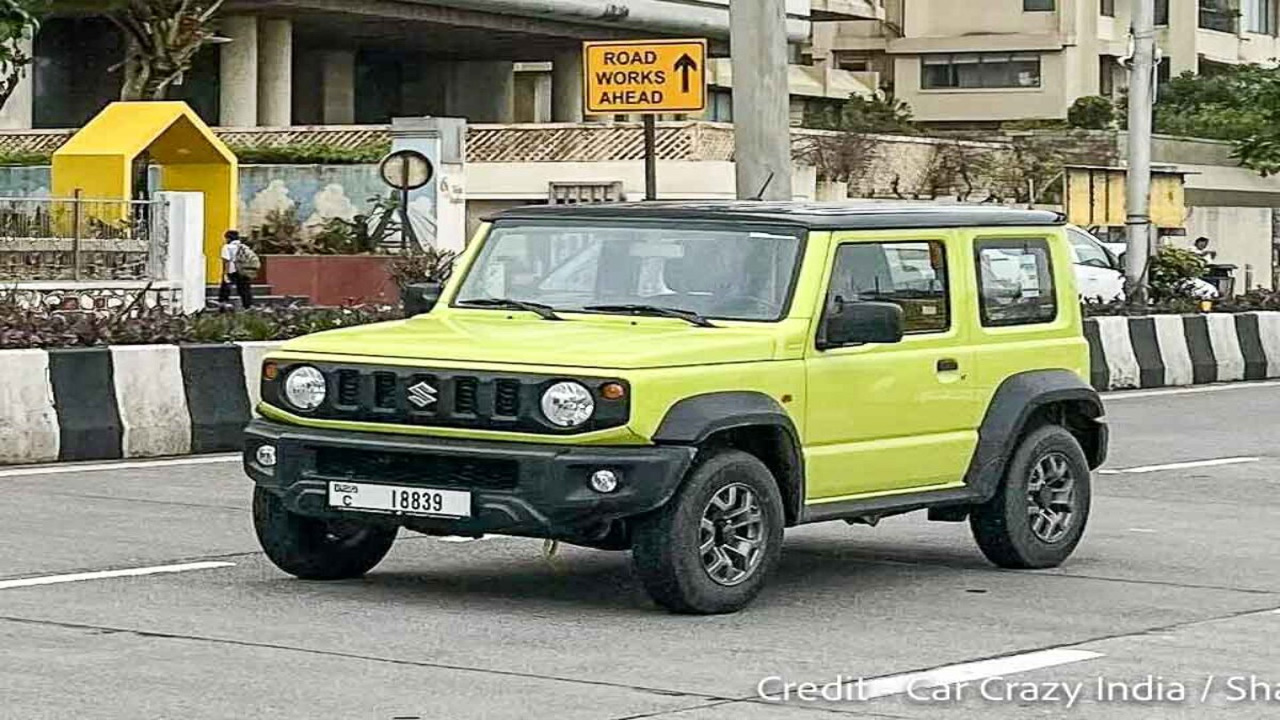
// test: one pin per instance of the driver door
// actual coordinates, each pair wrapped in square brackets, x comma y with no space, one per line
[894,417]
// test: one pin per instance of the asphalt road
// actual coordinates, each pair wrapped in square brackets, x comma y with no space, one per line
[1173,596]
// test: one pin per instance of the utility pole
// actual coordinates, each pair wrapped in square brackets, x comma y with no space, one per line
[761,98]
[1142,76]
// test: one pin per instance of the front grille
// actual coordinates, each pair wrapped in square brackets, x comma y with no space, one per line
[435,397]
[412,469]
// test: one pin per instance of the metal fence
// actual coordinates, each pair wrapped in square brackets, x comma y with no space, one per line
[79,239]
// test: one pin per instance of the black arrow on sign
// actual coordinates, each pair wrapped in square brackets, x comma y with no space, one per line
[686,65]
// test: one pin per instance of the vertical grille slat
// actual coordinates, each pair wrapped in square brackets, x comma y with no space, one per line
[384,390]
[507,398]
[348,387]
[465,392]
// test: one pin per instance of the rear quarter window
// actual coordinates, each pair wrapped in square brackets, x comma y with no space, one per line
[1015,282]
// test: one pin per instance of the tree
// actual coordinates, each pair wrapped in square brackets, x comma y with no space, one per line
[162,39]
[1239,103]
[1092,112]
[876,114]
[19,20]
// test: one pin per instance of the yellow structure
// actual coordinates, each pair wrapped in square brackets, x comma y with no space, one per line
[98,163]
[1096,197]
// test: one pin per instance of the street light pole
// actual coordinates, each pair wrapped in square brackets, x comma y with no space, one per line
[1142,75]
[761,98]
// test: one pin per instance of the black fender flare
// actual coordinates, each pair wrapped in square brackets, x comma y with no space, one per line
[1014,403]
[693,420]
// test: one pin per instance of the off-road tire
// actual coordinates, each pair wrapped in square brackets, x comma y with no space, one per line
[665,544]
[314,549]
[1003,526]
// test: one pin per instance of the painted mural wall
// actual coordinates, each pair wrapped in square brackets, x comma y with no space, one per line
[314,192]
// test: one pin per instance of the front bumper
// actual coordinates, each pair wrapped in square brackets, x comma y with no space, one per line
[517,488]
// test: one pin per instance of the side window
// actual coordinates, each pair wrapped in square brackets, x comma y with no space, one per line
[912,275]
[1015,279]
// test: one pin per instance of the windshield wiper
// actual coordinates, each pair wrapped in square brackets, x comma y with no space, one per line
[546,312]
[688,316]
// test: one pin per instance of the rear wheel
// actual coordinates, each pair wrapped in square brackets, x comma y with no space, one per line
[710,549]
[315,549]
[1038,515]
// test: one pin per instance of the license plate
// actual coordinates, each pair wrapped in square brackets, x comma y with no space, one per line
[399,500]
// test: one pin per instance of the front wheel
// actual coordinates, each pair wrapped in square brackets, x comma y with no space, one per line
[314,549]
[710,549]
[1038,515]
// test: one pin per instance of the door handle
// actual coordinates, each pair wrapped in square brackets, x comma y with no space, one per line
[948,365]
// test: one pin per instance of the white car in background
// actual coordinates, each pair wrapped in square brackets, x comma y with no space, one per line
[1099,274]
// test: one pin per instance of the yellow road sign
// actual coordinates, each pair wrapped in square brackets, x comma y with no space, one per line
[645,76]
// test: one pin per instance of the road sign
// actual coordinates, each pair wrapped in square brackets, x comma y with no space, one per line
[645,76]
[406,170]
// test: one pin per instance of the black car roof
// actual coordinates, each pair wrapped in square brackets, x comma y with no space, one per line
[824,216]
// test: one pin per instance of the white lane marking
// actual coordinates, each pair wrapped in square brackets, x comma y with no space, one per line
[1180,466]
[108,574]
[107,467]
[1141,530]
[970,672]
[1134,394]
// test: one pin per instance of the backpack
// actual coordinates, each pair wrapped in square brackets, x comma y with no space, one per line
[247,262]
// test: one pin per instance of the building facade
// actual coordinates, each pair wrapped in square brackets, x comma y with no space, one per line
[333,62]
[985,61]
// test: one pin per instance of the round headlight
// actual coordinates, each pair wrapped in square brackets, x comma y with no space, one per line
[304,388]
[568,404]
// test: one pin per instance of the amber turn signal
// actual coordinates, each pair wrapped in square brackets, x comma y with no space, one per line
[613,391]
[270,371]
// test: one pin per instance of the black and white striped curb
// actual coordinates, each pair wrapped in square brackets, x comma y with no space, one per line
[167,400]
[126,401]
[1174,350]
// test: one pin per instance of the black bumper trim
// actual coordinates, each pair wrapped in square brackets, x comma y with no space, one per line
[550,495]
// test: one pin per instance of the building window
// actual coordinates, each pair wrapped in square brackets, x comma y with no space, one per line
[1037,5]
[1016,282]
[912,275]
[1106,76]
[1109,8]
[986,70]
[1259,16]
[720,106]
[1162,13]
[1218,15]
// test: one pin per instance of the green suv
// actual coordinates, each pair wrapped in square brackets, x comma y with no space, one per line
[686,381]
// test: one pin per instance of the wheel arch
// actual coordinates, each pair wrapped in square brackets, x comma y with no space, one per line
[1027,400]
[749,421]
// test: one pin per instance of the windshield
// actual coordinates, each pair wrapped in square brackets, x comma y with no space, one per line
[1085,250]
[728,272]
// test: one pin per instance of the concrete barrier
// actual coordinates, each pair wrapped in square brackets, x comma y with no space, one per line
[1177,350]
[128,401]
[161,400]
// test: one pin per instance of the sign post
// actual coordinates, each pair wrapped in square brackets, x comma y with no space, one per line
[647,77]
[406,171]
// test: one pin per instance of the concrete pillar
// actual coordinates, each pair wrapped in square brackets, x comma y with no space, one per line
[566,86]
[482,91]
[339,87]
[761,98]
[18,111]
[239,72]
[275,72]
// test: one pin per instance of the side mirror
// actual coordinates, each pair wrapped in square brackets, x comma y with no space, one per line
[419,298]
[859,323]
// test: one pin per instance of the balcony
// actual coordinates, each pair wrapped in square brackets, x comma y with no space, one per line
[839,10]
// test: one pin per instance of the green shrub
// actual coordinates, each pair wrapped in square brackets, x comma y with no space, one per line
[1092,112]
[320,154]
[1170,272]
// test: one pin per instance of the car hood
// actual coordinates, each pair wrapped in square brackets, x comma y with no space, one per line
[596,341]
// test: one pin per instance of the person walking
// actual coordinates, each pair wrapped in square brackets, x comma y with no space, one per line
[239,267]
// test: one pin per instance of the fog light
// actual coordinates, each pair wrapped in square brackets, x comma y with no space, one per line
[266,455]
[605,481]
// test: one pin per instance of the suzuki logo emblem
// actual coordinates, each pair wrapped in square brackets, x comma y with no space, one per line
[422,395]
